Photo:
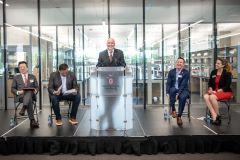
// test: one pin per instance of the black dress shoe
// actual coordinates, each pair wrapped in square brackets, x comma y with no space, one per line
[34,124]
[22,111]
[217,121]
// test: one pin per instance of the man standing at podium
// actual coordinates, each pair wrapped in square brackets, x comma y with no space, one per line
[111,57]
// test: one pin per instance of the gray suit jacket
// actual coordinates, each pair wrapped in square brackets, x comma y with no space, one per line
[118,59]
[18,84]
[55,82]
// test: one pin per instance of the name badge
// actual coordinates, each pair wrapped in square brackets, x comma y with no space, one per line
[179,76]
[213,76]
[31,80]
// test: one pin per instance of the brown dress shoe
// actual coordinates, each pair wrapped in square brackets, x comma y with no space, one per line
[179,121]
[34,124]
[22,111]
[73,121]
[174,114]
[59,122]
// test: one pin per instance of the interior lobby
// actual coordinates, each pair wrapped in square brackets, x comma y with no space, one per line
[152,35]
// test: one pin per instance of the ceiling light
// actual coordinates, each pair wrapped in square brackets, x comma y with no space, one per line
[228,35]
[175,33]
[6,3]
[36,35]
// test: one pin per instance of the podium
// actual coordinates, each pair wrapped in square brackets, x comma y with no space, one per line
[111,99]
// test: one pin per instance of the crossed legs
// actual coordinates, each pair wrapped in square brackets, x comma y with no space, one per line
[28,104]
[181,100]
[212,104]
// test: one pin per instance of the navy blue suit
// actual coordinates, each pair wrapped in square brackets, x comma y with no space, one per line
[182,91]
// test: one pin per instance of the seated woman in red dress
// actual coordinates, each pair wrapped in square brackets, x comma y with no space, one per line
[218,88]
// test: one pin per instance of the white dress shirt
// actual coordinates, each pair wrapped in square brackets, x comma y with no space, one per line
[64,84]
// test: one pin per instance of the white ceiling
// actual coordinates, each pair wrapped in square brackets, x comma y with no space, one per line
[93,12]
[121,11]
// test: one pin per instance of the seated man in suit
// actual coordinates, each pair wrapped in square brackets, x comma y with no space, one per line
[21,81]
[177,88]
[60,83]
[111,56]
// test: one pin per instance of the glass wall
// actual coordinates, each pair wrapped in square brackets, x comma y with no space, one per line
[154,38]
[163,44]
[2,97]
[228,39]
[123,26]
[79,52]
[92,15]
[20,19]
[94,42]
[170,48]
[197,43]
[56,35]
[56,39]
[126,23]
[91,34]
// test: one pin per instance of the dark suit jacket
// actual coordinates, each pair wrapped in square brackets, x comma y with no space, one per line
[18,84]
[182,80]
[224,82]
[118,59]
[55,82]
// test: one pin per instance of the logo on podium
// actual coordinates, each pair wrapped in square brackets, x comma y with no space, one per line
[110,81]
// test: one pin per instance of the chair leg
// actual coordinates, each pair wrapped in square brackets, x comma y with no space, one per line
[51,115]
[207,115]
[36,110]
[15,119]
[69,108]
[185,113]
[189,118]
[15,112]
[229,114]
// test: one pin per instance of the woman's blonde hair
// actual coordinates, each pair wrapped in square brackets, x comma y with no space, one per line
[227,66]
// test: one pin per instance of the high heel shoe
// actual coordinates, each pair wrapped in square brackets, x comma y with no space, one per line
[219,118]
[217,121]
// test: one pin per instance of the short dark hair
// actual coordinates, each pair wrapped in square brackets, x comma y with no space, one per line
[22,62]
[182,59]
[63,66]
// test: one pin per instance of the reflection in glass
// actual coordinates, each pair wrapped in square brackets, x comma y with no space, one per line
[228,37]
[2,96]
[20,19]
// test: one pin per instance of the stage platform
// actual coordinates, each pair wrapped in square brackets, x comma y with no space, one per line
[151,134]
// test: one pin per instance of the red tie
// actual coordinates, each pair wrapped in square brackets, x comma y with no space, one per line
[110,56]
[25,80]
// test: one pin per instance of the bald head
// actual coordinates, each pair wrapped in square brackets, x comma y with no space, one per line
[110,44]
